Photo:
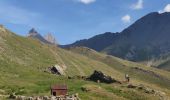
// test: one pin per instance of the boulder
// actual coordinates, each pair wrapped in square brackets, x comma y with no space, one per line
[85,89]
[149,91]
[141,87]
[99,76]
[146,89]
[131,86]
[30,98]
[57,70]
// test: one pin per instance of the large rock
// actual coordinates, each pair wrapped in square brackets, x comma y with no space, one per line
[50,38]
[59,70]
[98,76]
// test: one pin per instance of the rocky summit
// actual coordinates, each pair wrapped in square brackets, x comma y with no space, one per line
[32,32]
[50,38]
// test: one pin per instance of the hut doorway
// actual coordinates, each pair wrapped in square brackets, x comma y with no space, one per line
[54,93]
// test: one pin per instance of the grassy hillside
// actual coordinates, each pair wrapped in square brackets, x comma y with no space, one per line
[165,65]
[22,61]
[162,62]
[138,72]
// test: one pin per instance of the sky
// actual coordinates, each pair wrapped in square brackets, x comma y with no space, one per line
[72,20]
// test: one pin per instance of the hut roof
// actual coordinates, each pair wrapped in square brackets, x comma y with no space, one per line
[59,87]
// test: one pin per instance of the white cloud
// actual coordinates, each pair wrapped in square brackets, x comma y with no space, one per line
[166,9]
[126,18]
[86,1]
[138,5]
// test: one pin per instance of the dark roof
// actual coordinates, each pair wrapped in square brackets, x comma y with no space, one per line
[58,87]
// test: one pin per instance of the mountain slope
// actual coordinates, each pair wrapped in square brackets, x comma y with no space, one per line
[30,52]
[162,62]
[145,40]
[140,74]
[98,42]
[124,66]
[23,60]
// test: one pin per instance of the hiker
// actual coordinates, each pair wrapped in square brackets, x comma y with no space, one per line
[127,77]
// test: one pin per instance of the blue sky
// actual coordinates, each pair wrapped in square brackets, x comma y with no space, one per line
[71,20]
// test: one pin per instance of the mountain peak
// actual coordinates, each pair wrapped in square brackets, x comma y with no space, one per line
[32,32]
[148,37]
[48,39]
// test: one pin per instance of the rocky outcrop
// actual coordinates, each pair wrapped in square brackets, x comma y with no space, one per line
[56,69]
[50,38]
[98,76]
[34,34]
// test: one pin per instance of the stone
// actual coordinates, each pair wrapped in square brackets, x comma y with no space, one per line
[85,89]
[12,96]
[45,98]
[30,98]
[58,70]
[61,97]
[149,91]
[98,76]
[131,86]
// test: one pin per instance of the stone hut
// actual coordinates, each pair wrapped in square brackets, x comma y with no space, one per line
[57,90]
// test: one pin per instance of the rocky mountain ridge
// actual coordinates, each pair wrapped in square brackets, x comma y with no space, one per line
[48,38]
[144,40]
